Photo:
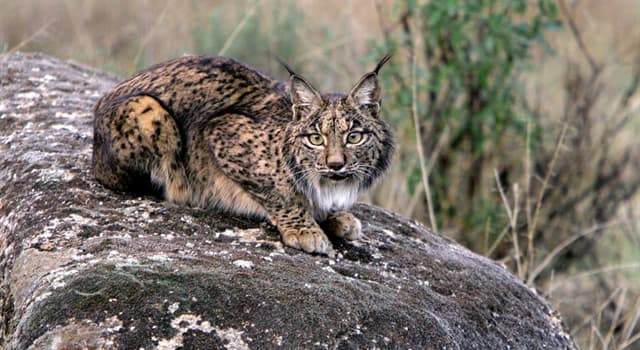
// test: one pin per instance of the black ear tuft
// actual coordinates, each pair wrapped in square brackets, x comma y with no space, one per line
[384,60]
[367,92]
[286,66]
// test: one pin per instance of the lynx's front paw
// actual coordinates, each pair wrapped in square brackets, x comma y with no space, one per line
[344,224]
[309,239]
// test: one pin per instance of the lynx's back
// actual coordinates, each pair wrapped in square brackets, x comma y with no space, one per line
[191,85]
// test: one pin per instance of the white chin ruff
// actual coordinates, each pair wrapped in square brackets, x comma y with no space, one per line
[332,197]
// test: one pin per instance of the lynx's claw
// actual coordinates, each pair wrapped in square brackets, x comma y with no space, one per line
[311,240]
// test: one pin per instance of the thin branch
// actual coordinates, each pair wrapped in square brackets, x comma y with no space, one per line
[634,84]
[498,240]
[630,326]
[421,157]
[615,319]
[385,29]
[527,181]
[150,32]
[432,159]
[545,183]
[386,33]
[505,203]
[598,312]
[513,221]
[323,50]
[630,341]
[30,38]
[238,29]
[423,169]
[563,245]
[593,272]
[595,67]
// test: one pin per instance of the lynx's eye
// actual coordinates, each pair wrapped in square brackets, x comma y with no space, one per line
[354,137]
[315,139]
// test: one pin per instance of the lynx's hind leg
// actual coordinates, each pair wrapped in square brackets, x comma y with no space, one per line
[138,139]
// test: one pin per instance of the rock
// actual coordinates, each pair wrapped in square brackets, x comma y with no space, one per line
[84,267]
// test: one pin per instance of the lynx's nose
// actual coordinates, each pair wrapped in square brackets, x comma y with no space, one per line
[335,161]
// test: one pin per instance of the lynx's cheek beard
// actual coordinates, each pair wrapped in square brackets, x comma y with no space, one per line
[329,196]
[333,197]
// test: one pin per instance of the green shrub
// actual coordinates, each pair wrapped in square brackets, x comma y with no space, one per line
[470,106]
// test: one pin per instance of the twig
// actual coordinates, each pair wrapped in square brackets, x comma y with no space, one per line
[238,29]
[79,30]
[630,326]
[386,33]
[30,38]
[629,341]
[485,243]
[514,223]
[534,221]
[150,33]
[307,56]
[417,193]
[527,181]
[616,316]
[595,67]
[564,244]
[512,220]
[595,329]
[598,311]
[612,268]
[498,240]
[421,157]
[385,30]
[634,84]
[505,203]
[432,159]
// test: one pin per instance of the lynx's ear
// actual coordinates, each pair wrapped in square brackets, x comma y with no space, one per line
[304,98]
[367,93]
[302,93]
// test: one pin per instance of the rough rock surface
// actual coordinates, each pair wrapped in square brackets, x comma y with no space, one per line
[84,267]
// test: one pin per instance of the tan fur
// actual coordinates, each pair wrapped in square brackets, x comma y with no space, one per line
[213,133]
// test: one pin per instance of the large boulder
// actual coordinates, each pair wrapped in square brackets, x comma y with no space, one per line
[86,268]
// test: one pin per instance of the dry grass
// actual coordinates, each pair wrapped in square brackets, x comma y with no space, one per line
[330,42]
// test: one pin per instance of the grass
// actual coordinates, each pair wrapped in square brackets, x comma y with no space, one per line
[586,266]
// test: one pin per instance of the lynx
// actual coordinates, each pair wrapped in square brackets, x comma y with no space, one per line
[211,132]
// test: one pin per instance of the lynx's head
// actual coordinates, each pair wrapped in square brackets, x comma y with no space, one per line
[338,144]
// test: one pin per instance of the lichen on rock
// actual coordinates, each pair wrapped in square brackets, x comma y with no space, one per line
[85,267]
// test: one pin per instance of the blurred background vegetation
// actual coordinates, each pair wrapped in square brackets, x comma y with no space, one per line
[517,119]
